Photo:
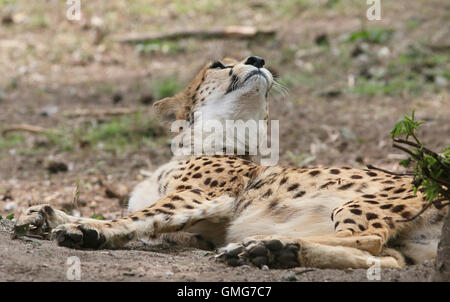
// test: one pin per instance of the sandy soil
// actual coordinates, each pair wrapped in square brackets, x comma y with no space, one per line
[37,260]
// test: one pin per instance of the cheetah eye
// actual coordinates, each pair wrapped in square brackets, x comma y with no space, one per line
[217,65]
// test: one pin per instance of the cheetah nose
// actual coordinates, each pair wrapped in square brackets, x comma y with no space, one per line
[255,61]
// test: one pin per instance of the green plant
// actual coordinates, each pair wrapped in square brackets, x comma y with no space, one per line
[372,35]
[166,87]
[431,170]
[98,217]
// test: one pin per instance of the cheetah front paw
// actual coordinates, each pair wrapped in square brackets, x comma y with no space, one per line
[40,220]
[78,236]
[272,252]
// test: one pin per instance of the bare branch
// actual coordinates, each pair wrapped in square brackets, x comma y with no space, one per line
[371,167]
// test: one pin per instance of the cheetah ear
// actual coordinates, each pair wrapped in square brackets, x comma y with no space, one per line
[168,109]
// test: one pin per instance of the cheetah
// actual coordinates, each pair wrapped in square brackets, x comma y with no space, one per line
[274,216]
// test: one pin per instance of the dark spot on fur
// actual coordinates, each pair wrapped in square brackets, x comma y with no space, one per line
[356,176]
[356,211]
[218,170]
[373,174]
[196,191]
[371,201]
[161,211]
[335,171]
[314,172]
[346,186]
[207,181]
[401,190]
[299,194]
[371,216]
[169,206]
[268,193]
[197,175]
[377,225]
[398,208]
[348,220]
[386,206]
[293,187]
[406,214]
[214,183]
[327,184]
[283,180]
[273,204]
[176,197]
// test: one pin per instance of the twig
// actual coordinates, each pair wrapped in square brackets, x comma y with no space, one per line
[28,128]
[422,148]
[101,112]
[425,208]
[230,32]
[370,167]
[406,151]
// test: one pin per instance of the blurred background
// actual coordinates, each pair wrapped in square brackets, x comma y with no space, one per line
[76,95]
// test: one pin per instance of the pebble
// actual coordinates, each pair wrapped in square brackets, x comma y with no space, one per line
[289,277]
[10,206]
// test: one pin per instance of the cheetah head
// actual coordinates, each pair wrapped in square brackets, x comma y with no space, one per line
[222,90]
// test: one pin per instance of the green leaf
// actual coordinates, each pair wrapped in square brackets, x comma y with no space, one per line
[10,216]
[98,217]
[406,127]
[405,162]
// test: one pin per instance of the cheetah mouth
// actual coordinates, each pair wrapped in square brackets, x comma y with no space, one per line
[235,85]
[255,73]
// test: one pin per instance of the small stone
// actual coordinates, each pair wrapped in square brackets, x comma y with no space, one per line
[146,99]
[117,98]
[48,110]
[10,206]
[56,167]
[441,81]
[289,277]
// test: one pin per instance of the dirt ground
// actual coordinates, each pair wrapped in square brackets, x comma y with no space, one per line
[348,80]
[37,260]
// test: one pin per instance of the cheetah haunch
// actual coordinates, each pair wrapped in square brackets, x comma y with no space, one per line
[266,215]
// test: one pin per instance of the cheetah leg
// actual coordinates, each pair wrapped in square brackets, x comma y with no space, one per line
[368,222]
[370,243]
[173,213]
[283,252]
